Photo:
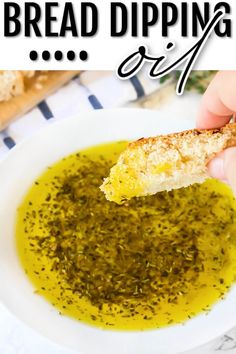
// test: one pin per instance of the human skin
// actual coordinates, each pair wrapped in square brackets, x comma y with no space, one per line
[217,107]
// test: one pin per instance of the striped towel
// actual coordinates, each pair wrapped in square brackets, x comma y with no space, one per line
[90,90]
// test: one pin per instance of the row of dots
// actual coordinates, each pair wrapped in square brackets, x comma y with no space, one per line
[58,55]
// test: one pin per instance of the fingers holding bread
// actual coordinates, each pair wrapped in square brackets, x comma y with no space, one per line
[168,162]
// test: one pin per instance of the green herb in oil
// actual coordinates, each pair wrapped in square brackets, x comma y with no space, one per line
[149,263]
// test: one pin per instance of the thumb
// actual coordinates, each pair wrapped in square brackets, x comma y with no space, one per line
[223,167]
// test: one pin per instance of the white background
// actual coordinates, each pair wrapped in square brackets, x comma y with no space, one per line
[106,52]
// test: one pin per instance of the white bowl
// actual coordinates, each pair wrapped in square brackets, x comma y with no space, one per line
[18,171]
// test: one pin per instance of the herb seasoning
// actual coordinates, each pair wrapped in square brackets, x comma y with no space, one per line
[152,262]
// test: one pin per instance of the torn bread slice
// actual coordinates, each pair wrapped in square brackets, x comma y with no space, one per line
[165,162]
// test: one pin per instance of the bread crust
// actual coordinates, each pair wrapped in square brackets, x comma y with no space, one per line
[228,128]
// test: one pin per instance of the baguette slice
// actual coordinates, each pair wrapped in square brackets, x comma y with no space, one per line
[166,162]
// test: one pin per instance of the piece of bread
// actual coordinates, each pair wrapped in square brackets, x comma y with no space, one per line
[168,162]
[11,84]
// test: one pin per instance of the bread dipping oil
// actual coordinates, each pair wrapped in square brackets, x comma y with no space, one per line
[149,263]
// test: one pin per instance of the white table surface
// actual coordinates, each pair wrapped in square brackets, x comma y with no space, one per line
[16,338]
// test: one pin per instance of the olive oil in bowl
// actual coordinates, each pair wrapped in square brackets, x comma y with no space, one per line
[149,263]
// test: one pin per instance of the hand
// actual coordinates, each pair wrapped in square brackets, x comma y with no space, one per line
[217,108]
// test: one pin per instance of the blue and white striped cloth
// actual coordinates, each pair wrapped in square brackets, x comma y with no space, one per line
[90,90]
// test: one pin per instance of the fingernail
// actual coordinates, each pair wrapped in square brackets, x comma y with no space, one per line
[216,168]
